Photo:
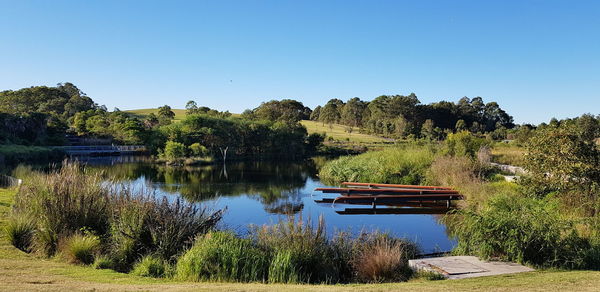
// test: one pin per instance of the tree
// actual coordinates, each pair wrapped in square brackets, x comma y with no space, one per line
[286,110]
[165,112]
[191,108]
[330,113]
[460,126]
[428,130]
[352,112]
[174,150]
[314,116]
[564,158]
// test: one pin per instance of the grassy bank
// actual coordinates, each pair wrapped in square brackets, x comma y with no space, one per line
[404,165]
[25,272]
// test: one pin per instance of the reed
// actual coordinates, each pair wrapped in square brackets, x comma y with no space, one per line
[402,165]
[222,256]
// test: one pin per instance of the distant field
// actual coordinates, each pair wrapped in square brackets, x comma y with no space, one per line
[338,132]
[508,153]
[179,113]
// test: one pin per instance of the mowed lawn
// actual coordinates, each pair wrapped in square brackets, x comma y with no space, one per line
[338,132]
[26,272]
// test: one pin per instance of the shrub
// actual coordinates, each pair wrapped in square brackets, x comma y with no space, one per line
[198,150]
[404,165]
[151,266]
[81,249]
[221,256]
[142,224]
[174,150]
[20,230]
[521,229]
[103,262]
[463,144]
[380,258]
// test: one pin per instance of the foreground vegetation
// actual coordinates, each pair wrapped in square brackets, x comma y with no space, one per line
[549,219]
[26,272]
[78,217]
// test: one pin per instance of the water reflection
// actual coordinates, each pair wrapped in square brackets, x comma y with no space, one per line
[262,192]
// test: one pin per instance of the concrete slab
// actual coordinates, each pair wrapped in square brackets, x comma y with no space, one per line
[460,267]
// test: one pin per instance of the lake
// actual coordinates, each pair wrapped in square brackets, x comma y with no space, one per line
[263,192]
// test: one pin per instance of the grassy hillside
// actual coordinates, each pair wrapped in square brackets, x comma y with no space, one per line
[179,113]
[338,132]
[25,272]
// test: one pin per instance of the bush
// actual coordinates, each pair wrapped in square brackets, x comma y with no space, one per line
[380,258]
[103,262]
[463,144]
[174,150]
[221,256]
[521,229]
[143,224]
[20,230]
[198,150]
[151,266]
[406,165]
[81,249]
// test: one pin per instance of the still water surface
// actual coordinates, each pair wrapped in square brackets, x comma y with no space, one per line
[263,192]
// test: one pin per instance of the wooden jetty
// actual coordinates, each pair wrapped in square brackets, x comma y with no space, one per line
[420,199]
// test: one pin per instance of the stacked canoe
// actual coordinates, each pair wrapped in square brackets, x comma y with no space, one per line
[418,199]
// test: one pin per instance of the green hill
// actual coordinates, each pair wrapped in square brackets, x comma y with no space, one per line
[179,113]
[339,132]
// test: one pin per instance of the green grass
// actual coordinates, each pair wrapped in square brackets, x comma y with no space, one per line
[508,153]
[338,132]
[24,272]
[179,113]
[404,165]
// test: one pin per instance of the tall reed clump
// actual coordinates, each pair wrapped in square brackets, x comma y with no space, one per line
[222,256]
[62,203]
[381,258]
[404,165]
[19,230]
[142,224]
[81,248]
[301,252]
[83,215]
[526,230]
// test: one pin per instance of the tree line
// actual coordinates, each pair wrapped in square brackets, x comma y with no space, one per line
[402,116]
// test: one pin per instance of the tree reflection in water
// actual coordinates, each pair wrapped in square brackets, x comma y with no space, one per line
[277,185]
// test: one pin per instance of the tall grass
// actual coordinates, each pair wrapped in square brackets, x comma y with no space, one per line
[130,224]
[152,266]
[80,248]
[404,165]
[302,252]
[20,230]
[222,256]
[525,230]
[381,258]
[62,203]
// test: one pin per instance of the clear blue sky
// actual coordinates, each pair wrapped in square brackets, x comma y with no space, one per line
[538,59]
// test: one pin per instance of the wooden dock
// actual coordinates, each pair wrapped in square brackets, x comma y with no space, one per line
[394,198]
